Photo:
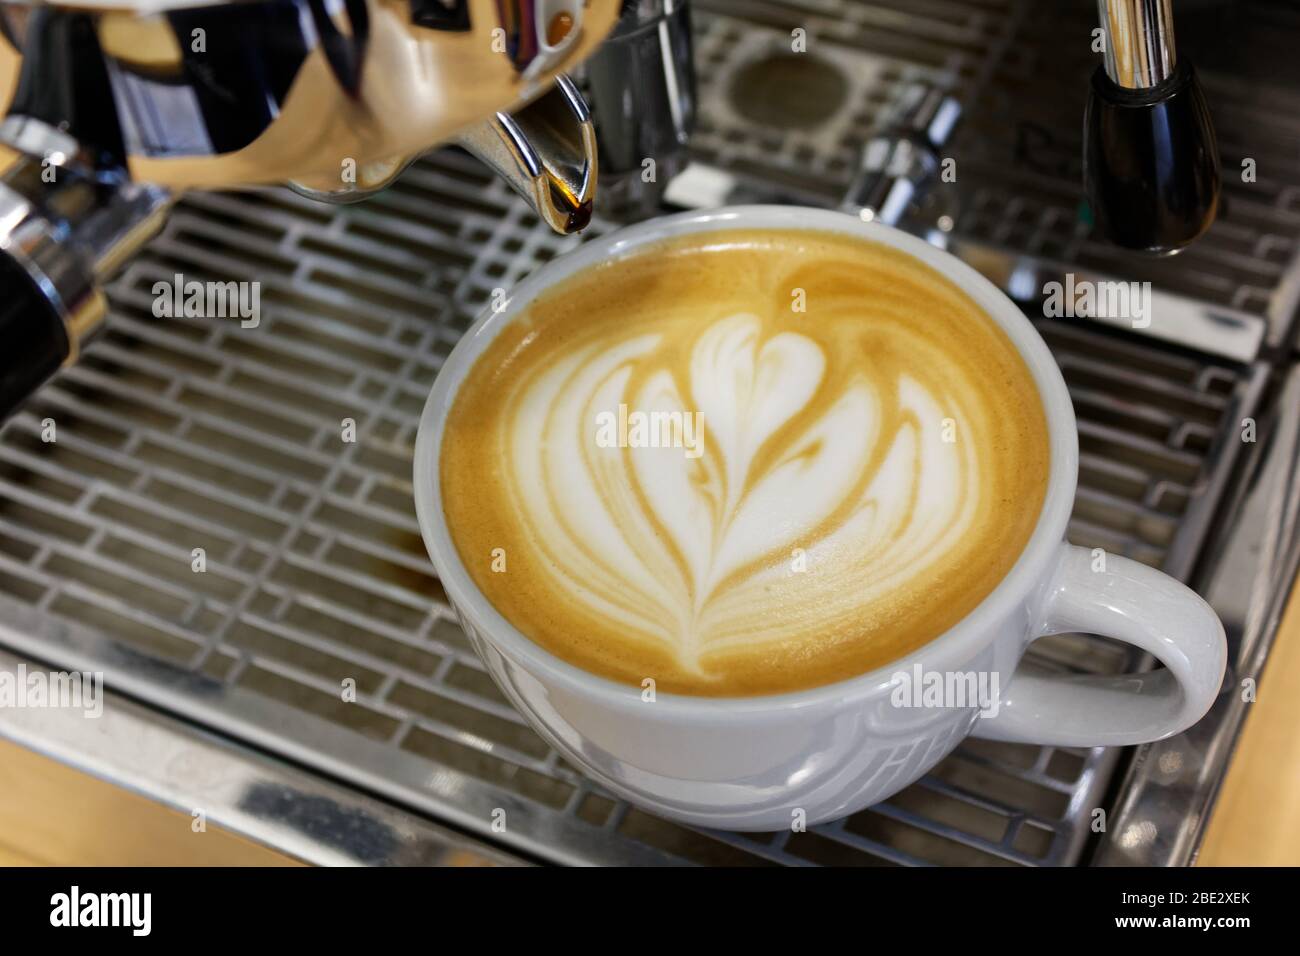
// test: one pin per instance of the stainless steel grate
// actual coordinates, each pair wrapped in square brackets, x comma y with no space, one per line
[176,434]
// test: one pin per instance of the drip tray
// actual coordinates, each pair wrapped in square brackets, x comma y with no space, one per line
[175,434]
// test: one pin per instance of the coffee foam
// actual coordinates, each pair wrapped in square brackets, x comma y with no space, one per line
[869,469]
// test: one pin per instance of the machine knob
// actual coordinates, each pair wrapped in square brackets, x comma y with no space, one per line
[1151,163]
[33,339]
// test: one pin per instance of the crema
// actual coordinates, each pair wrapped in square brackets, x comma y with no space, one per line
[744,462]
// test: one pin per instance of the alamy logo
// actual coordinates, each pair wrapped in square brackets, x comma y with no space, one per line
[947,689]
[626,429]
[208,300]
[64,690]
[74,908]
[1085,299]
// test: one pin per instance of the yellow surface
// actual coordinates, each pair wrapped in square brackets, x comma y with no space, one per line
[53,814]
[1256,821]
[10,65]
[12,857]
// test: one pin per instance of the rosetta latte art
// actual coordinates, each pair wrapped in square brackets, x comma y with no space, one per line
[866,470]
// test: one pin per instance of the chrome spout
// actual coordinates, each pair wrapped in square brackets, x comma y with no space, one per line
[546,152]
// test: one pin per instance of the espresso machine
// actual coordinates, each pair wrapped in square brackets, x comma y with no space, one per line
[115,109]
[383,168]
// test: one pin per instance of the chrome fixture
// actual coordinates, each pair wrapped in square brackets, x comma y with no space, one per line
[901,161]
[1139,37]
[641,84]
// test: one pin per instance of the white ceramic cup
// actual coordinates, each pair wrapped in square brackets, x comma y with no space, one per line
[758,763]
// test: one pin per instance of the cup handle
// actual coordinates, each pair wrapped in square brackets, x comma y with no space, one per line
[1140,606]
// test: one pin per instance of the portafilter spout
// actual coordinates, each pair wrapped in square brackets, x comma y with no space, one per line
[546,152]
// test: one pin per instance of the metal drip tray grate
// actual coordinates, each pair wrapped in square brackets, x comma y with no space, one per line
[178,433]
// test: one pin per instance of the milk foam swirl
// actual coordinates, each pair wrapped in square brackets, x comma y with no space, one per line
[855,459]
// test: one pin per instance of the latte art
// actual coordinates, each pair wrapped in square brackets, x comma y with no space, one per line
[863,471]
